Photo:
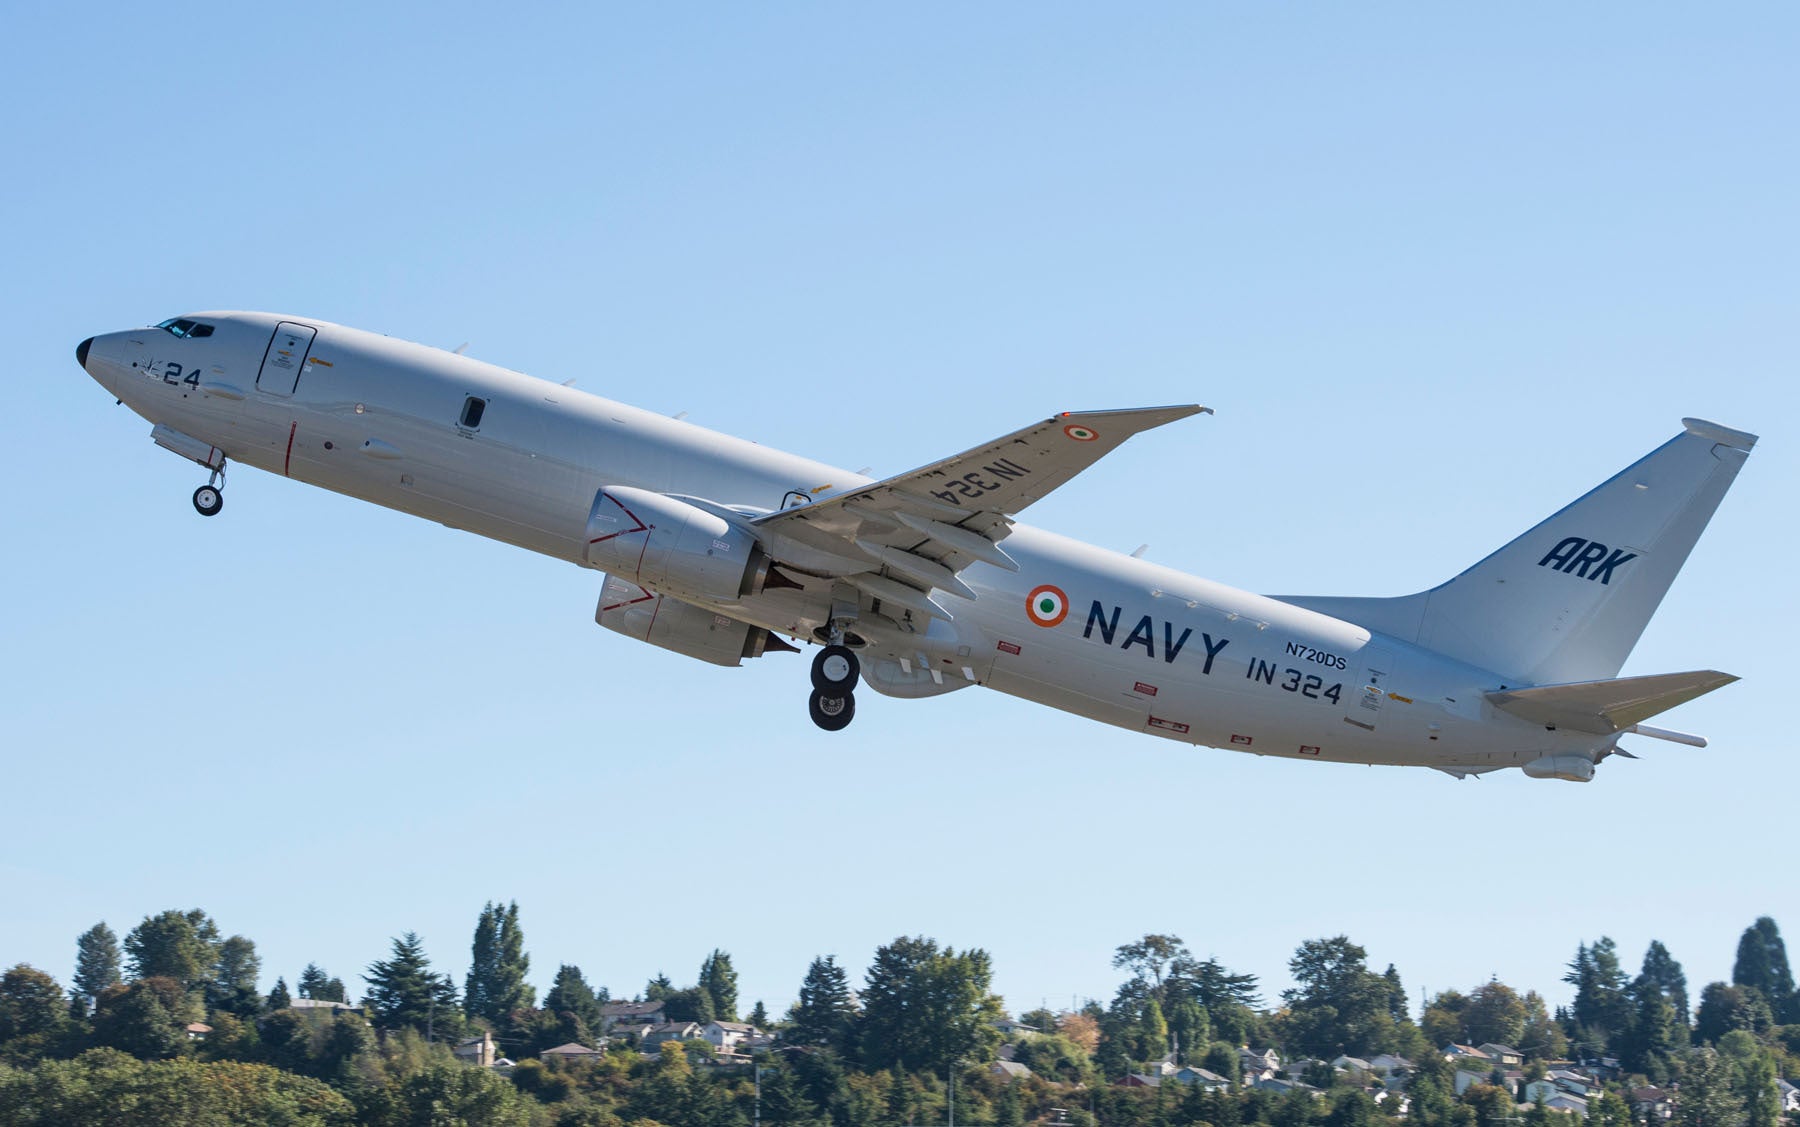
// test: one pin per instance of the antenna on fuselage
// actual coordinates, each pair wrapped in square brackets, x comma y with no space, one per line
[460,349]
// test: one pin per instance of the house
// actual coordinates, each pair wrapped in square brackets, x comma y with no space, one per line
[1140,1080]
[1009,1070]
[1789,1094]
[1354,1065]
[1503,1055]
[1539,1090]
[630,1013]
[573,1051]
[1574,1083]
[1393,1102]
[1010,1028]
[1258,1065]
[1391,1064]
[728,1036]
[1465,1079]
[1460,1054]
[1281,1087]
[318,1004]
[1652,1103]
[1192,1077]
[653,1036]
[1563,1101]
[197,1030]
[478,1051]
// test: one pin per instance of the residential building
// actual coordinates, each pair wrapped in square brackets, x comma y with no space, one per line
[729,1036]
[1503,1055]
[631,1013]
[1009,1070]
[572,1051]
[652,1036]
[479,1051]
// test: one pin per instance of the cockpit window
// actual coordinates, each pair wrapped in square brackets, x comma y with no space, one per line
[184,327]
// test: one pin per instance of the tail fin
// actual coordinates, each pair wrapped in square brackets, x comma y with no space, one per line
[1568,600]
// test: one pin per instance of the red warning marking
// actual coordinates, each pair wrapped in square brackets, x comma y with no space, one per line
[1308,749]
[1009,648]
[1147,690]
[1168,725]
[1244,741]
[641,526]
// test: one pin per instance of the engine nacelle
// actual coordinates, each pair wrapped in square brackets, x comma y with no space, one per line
[674,625]
[1571,768]
[669,545]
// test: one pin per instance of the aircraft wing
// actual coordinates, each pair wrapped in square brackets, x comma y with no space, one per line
[900,538]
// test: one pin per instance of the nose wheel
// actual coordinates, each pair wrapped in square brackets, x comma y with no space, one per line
[834,675]
[210,498]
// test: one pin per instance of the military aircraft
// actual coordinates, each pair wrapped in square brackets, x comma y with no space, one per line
[925,582]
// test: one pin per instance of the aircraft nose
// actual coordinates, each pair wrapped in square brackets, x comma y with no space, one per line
[81,351]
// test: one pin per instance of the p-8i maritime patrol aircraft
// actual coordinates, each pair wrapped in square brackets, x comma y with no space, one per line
[925,582]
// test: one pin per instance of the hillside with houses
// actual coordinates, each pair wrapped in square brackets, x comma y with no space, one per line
[173,1026]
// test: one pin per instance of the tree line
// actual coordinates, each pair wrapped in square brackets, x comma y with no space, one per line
[171,1022]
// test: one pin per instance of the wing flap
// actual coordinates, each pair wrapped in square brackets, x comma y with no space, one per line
[947,515]
[1606,707]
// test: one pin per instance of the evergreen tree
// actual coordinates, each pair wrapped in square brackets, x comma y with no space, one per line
[495,985]
[658,988]
[405,993]
[1762,964]
[279,998]
[1602,1001]
[314,983]
[759,1016]
[232,987]
[1725,1008]
[571,994]
[96,962]
[1663,974]
[719,980]
[183,946]
[826,1009]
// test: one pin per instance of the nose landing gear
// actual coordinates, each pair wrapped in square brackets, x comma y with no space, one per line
[834,675]
[210,498]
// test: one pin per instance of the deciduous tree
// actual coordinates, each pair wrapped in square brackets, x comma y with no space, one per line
[926,1007]
[183,946]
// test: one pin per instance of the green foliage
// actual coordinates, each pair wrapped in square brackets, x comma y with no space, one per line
[1339,1006]
[279,998]
[826,1011]
[496,985]
[147,1018]
[571,994]
[1602,1004]
[405,993]
[924,1007]
[1495,1014]
[183,946]
[96,962]
[1708,1095]
[719,980]
[314,983]
[1725,1008]
[1762,965]
[232,987]
[31,1003]
[97,1086]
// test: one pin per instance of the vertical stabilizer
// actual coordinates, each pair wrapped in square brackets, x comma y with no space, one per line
[1568,600]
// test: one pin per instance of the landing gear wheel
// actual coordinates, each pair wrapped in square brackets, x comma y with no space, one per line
[208,501]
[835,670]
[832,713]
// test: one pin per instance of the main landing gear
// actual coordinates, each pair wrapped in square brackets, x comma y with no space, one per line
[834,675]
[210,498]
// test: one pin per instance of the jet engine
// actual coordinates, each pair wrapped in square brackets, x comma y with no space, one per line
[682,627]
[1568,767]
[666,544]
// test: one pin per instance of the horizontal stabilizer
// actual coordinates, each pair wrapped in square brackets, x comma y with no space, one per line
[1606,707]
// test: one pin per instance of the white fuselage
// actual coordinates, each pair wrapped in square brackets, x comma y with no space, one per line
[1140,646]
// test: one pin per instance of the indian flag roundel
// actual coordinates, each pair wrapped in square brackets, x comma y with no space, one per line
[1047,605]
[1080,433]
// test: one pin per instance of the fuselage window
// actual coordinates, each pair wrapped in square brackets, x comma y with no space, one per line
[472,411]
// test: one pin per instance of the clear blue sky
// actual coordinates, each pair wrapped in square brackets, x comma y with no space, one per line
[1439,270]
